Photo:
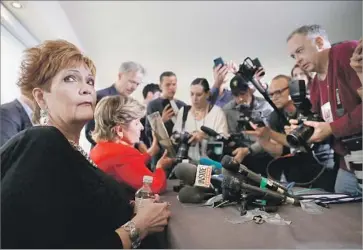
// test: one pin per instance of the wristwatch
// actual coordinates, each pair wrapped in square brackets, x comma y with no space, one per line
[134,234]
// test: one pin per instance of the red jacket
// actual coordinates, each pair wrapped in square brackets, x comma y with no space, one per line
[341,79]
[127,165]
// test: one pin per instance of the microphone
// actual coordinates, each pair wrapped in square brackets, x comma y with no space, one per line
[194,175]
[189,194]
[186,172]
[233,183]
[209,131]
[230,164]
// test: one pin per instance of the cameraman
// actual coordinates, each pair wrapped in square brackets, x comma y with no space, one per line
[333,95]
[245,104]
[273,141]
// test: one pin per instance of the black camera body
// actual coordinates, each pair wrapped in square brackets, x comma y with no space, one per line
[302,133]
[221,146]
[249,68]
[181,142]
[245,118]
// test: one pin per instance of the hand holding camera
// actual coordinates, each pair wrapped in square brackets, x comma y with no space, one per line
[322,130]
[239,154]
[197,136]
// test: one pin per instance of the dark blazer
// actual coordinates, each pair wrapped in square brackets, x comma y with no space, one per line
[13,119]
[90,126]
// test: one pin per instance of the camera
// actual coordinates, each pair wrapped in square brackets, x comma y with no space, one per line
[246,117]
[302,133]
[182,144]
[220,145]
[249,68]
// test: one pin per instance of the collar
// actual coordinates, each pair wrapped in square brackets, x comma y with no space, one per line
[27,109]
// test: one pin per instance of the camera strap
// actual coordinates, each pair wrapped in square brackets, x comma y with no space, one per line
[185,115]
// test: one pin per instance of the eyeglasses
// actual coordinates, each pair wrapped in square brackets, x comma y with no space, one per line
[277,93]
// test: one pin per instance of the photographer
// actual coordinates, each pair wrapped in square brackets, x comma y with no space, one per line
[273,140]
[246,106]
[200,114]
[333,96]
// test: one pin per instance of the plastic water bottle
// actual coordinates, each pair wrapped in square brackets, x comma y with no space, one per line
[144,194]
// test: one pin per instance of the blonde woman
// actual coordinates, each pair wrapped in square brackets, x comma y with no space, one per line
[118,128]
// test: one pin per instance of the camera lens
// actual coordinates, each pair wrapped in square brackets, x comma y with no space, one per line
[300,135]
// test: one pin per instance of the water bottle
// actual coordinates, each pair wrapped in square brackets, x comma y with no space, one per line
[144,194]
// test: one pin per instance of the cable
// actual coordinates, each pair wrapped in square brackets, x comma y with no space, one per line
[295,183]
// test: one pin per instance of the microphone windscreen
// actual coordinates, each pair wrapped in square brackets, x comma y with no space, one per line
[229,163]
[190,194]
[186,172]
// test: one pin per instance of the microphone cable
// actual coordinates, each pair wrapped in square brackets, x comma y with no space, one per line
[301,184]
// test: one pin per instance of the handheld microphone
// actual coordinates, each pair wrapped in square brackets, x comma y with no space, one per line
[230,164]
[194,175]
[235,184]
[190,194]
[209,131]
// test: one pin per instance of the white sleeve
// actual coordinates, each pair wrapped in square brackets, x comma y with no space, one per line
[221,122]
[178,123]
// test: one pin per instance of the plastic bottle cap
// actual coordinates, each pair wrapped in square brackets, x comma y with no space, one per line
[148,179]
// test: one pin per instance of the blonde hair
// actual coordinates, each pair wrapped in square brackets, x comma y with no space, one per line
[41,63]
[112,111]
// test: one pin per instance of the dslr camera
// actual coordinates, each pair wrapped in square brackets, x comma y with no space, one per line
[249,68]
[246,117]
[180,140]
[302,133]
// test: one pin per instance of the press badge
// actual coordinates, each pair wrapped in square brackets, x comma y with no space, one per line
[326,112]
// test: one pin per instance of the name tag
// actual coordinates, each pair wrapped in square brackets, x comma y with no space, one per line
[326,112]
[203,176]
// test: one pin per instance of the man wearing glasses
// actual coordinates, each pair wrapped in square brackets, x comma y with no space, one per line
[273,140]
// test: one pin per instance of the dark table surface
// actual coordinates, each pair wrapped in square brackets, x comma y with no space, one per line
[193,226]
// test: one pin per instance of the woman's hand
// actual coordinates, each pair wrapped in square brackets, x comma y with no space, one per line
[164,162]
[151,217]
[154,149]
[197,136]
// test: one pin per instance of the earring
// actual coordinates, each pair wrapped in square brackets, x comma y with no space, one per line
[44,117]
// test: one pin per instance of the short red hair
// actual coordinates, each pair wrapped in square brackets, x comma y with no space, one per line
[43,62]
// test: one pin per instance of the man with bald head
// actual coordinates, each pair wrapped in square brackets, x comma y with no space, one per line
[273,140]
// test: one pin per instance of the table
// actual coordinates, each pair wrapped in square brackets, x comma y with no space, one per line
[203,227]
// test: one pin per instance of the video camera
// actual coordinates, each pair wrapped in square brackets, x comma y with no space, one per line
[302,133]
[221,145]
[180,140]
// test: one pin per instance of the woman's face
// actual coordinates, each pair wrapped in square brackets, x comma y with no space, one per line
[131,132]
[72,96]
[299,74]
[198,95]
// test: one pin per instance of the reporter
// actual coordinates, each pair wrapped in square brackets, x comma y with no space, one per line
[333,93]
[117,129]
[52,194]
[201,114]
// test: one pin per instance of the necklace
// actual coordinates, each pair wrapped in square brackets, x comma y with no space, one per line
[80,149]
